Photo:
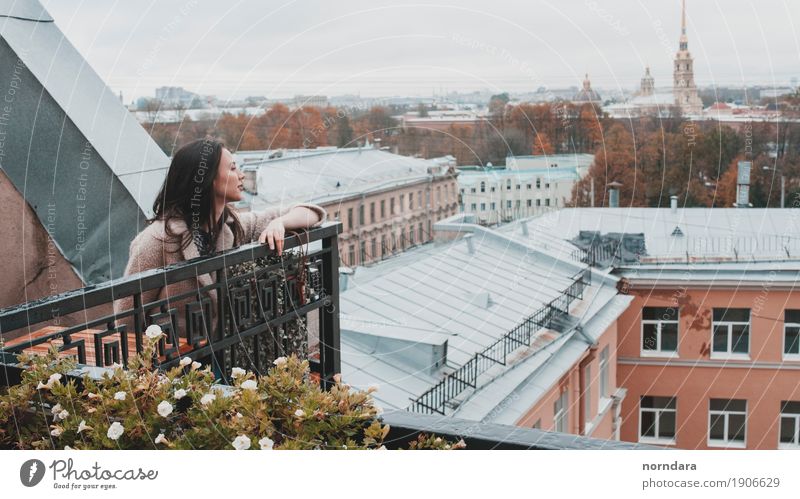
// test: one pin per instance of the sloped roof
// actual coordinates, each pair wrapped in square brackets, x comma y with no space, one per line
[72,149]
[440,292]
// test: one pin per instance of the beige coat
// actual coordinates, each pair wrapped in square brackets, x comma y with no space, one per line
[150,250]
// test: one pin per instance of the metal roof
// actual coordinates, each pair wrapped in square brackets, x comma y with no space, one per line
[325,176]
[77,156]
[448,301]
[709,234]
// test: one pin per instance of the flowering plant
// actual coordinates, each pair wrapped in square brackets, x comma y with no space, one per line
[183,408]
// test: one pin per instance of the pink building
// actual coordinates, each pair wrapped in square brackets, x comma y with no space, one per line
[387,203]
[708,349]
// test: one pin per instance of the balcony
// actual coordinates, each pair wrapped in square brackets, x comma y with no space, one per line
[270,306]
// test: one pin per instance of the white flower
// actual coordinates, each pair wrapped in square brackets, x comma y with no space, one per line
[153,331]
[180,393]
[164,408]
[93,395]
[242,442]
[63,414]
[67,447]
[91,410]
[237,371]
[120,396]
[438,440]
[185,361]
[161,439]
[266,443]
[54,378]
[299,413]
[56,409]
[196,365]
[83,426]
[239,415]
[250,384]
[208,398]
[337,378]
[41,385]
[280,361]
[115,430]
[56,431]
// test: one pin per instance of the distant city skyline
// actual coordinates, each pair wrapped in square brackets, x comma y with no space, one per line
[381,49]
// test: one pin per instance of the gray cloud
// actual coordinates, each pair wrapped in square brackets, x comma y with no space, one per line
[378,47]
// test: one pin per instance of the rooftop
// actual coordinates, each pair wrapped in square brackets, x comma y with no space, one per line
[328,175]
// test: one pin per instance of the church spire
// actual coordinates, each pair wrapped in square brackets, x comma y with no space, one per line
[683,17]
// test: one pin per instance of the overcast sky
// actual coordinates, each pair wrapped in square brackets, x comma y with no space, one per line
[379,48]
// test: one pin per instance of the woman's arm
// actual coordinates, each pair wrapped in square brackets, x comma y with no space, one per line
[298,217]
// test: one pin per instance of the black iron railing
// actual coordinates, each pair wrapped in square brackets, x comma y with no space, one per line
[263,306]
[453,384]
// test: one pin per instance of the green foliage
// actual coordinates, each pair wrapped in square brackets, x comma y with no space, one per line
[183,408]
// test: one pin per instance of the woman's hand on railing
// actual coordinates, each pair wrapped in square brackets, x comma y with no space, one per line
[274,234]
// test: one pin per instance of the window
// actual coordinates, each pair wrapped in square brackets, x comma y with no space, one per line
[529,203]
[587,397]
[372,212]
[349,218]
[492,189]
[790,425]
[547,202]
[402,202]
[493,205]
[508,204]
[352,255]
[538,183]
[731,332]
[538,202]
[421,234]
[383,246]
[560,411]
[373,248]
[659,331]
[411,236]
[519,186]
[391,206]
[547,185]
[383,209]
[474,206]
[657,419]
[336,216]
[604,373]
[410,200]
[483,206]
[361,215]
[518,203]
[727,422]
[472,190]
[508,184]
[529,186]
[363,247]
[419,197]
[791,334]
[483,186]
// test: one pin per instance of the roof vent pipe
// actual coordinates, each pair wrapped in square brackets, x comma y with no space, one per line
[613,194]
[470,244]
[673,204]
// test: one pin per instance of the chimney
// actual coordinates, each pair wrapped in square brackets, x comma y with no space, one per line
[470,244]
[673,204]
[613,194]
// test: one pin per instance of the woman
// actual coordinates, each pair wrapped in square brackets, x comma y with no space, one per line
[191,218]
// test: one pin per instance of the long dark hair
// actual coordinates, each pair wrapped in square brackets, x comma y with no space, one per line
[188,192]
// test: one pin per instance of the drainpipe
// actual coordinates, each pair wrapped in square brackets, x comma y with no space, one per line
[582,384]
